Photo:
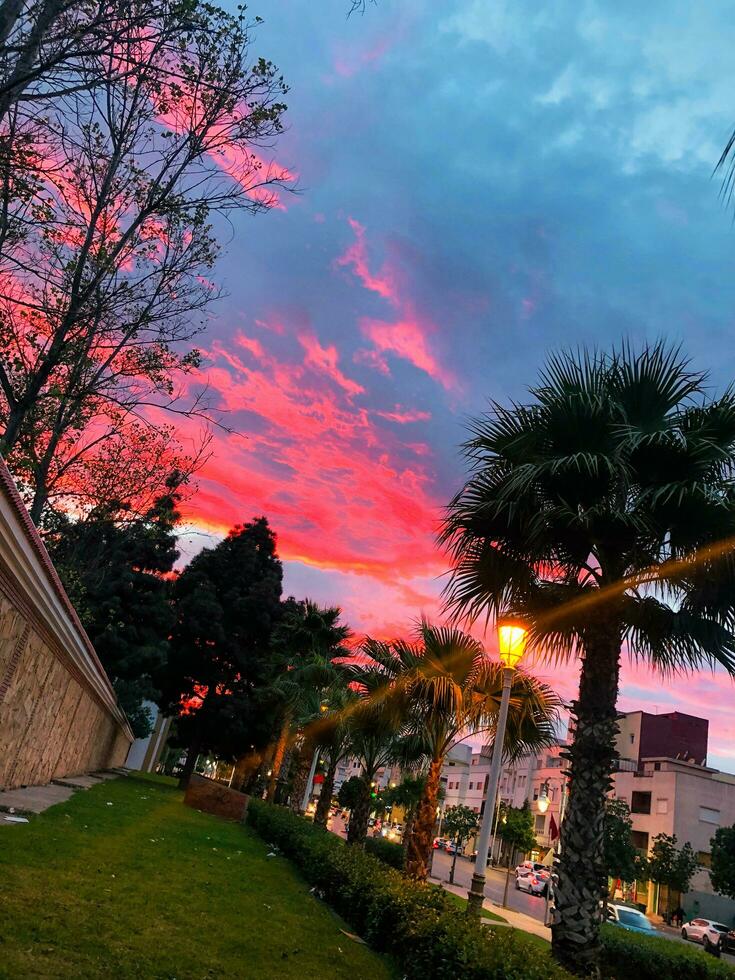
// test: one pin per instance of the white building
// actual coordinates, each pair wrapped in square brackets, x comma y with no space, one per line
[465,777]
[690,801]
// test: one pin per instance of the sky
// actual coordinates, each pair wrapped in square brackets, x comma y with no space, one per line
[477,183]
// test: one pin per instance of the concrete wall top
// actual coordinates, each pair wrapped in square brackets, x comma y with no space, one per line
[30,575]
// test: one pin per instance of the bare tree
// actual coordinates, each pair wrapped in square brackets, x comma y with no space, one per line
[108,239]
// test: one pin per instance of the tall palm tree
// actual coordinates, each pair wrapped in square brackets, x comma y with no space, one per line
[602,511]
[332,733]
[449,689]
[312,637]
[378,735]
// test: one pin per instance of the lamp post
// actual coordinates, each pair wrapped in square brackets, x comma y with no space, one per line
[512,637]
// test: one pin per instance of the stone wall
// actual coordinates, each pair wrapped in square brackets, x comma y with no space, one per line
[58,712]
[213,797]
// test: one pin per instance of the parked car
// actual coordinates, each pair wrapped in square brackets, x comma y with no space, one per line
[719,939]
[440,843]
[695,929]
[534,882]
[633,920]
[451,847]
[532,867]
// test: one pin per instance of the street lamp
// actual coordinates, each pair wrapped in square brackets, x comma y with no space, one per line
[512,636]
[542,803]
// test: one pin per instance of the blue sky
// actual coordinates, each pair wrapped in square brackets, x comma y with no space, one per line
[478,182]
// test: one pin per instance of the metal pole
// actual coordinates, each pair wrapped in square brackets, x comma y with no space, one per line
[495,826]
[476,894]
[310,780]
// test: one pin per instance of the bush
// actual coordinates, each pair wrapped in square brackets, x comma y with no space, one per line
[627,954]
[386,851]
[416,923]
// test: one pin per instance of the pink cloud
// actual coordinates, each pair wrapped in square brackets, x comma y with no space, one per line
[404,416]
[407,339]
[326,359]
[355,257]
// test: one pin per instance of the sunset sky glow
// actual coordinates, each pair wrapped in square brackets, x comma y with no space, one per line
[478,183]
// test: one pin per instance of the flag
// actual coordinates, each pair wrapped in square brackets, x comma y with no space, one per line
[553,829]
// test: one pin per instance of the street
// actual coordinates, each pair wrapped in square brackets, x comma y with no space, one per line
[530,905]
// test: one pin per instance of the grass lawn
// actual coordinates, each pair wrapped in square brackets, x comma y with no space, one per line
[124,881]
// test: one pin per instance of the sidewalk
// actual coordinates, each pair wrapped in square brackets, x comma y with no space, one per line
[515,919]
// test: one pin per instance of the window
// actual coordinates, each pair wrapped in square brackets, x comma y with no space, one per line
[540,821]
[704,859]
[708,815]
[471,786]
[657,766]
[476,809]
[640,840]
[662,805]
[632,739]
[640,803]
[474,762]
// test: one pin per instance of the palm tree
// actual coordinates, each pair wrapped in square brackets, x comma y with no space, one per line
[448,690]
[331,733]
[312,637]
[378,736]
[603,512]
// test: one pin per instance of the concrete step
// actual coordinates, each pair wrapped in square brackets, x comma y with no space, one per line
[33,799]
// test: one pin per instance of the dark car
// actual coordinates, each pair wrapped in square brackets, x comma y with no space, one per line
[717,939]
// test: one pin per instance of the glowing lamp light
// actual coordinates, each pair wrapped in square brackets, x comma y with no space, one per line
[542,802]
[512,638]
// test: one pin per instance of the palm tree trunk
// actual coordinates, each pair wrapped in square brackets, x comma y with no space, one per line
[325,798]
[360,815]
[284,777]
[191,757]
[409,816]
[421,839]
[303,765]
[278,758]
[582,875]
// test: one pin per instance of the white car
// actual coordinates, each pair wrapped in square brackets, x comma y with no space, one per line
[533,882]
[696,929]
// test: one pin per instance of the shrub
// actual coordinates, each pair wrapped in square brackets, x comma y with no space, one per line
[627,954]
[414,922]
[386,851]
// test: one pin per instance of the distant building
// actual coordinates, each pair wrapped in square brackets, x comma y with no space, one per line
[670,796]
[673,735]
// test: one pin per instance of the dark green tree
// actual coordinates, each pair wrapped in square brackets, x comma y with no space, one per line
[671,865]
[459,823]
[621,857]
[227,602]
[515,829]
[115,572]
[408,795]
[620,852]
[722,872]
[351,792]
[602,511]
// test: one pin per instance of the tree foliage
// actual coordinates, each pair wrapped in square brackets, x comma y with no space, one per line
[621,857]
[671,865]
[351,792]
[515,829]
[460,823]
[106,234]
[226,603]
[722,872]
[116,573]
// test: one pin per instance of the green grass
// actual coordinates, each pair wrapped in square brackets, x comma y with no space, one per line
[149,888]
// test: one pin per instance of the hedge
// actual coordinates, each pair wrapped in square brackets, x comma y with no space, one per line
[414,923]
[630,954]
[386,851]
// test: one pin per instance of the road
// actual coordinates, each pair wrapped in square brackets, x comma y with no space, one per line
[519,901]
